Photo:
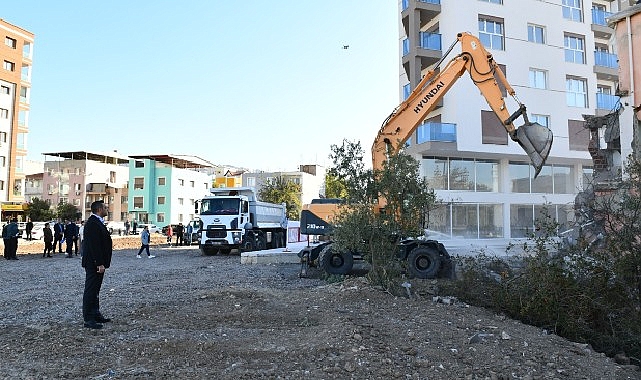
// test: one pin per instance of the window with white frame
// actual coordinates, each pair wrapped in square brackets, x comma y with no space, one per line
[181,182]
[536,33]
[574,47]
[138,202]
[491,32]
[251,181]
[544,120]
[4,113]
[576,94]
[139,183]
[161,181]
[160,217]
[161,200]
[139,164]
[192,183]
[538,78]
[11,42]
[181,201]
[572,10]
[9,66]
[5,90]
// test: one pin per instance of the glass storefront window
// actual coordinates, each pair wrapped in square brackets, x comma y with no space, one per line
[521,220]
[490,221]
[543,182]
[520,177]
[487,176]
[465,221]
[563,180]
[461,174]
[435,171]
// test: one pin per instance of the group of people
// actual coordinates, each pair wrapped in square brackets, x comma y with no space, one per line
[183,235]
[68,232]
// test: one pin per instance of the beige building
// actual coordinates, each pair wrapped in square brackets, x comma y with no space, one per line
[311,178]
[15,88]
[80,178]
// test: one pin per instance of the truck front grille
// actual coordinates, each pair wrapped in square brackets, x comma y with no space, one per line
[216,233]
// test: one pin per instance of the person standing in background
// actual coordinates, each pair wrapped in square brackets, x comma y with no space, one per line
[28,228]
[96,258]
[81,231]
[48,238]
[58,235]
[10,237]
[71,236]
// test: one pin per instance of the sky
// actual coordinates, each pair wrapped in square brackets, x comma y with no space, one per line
[259,84]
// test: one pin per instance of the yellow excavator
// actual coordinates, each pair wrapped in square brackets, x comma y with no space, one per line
[429,258]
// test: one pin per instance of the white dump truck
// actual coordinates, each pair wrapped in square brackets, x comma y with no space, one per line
[233,219]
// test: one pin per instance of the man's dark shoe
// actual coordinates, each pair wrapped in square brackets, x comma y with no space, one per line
[102,319]
[93,325]
[15,258]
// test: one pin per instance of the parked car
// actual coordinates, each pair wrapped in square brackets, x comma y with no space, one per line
[116,227]
[153,229]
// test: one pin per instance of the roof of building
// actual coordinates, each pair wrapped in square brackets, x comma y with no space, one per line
[108,158]
[613,19]
[176,160]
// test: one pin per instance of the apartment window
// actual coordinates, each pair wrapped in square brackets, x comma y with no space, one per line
[536,34]
[538,78]
[600,89]
[11,42]
[544,120]
[180,218]
[181,201]
[76,202]
[578,135]
[1,185]
[139,164]
[3,161]
[123,199]
[9,66]
[572,10]
[251,181]
[160,217]
[574,48]
[4,113]
[138,202]
[112,177]
[5,90]
[461,174]
[161,181]
[491,32]
[139,183]
[406,91]
[576,92]
[3,137]
[76,171]
[181,182]
[492,129]
[161,200]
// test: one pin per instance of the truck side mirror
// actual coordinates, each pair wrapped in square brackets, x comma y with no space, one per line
[196,207]
[245,206]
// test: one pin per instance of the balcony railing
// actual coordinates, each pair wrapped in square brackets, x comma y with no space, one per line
[433,131]
[431,41]
[606,101]
[606,59]
[406,3]
[599,16]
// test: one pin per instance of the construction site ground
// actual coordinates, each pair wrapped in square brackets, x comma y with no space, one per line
[187,316]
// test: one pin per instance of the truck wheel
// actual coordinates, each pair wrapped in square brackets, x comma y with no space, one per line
[246,246]
[335,262]
[424,263]
[261,243]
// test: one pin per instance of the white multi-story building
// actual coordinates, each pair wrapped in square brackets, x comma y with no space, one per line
[311,179]
[557,56]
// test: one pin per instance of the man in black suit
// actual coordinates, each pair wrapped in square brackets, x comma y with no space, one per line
[96,258]
[58,235]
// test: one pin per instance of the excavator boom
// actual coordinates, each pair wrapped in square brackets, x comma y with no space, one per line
[534,139]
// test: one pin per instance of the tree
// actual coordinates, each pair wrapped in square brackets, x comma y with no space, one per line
[39,210]
[334,188]
[281,190]
[359,227]
[67,211]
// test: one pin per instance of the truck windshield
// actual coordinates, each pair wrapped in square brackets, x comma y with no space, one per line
[222,206]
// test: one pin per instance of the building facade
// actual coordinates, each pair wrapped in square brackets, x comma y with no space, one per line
[15,92]
[164,188]
[558,58]
[311,179]
[81,177]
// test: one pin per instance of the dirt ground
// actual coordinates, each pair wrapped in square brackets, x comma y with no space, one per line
[187,316]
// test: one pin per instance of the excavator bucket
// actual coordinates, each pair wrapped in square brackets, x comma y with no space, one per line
[536,141]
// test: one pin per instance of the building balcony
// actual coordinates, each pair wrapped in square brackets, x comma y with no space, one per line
[606,66]
[428,50]
[433,131]
[606,102]
[599,25]
[427,11]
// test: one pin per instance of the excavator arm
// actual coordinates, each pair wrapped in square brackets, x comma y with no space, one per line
[536,140]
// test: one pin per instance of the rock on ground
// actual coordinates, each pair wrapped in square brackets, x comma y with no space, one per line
[186,316]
